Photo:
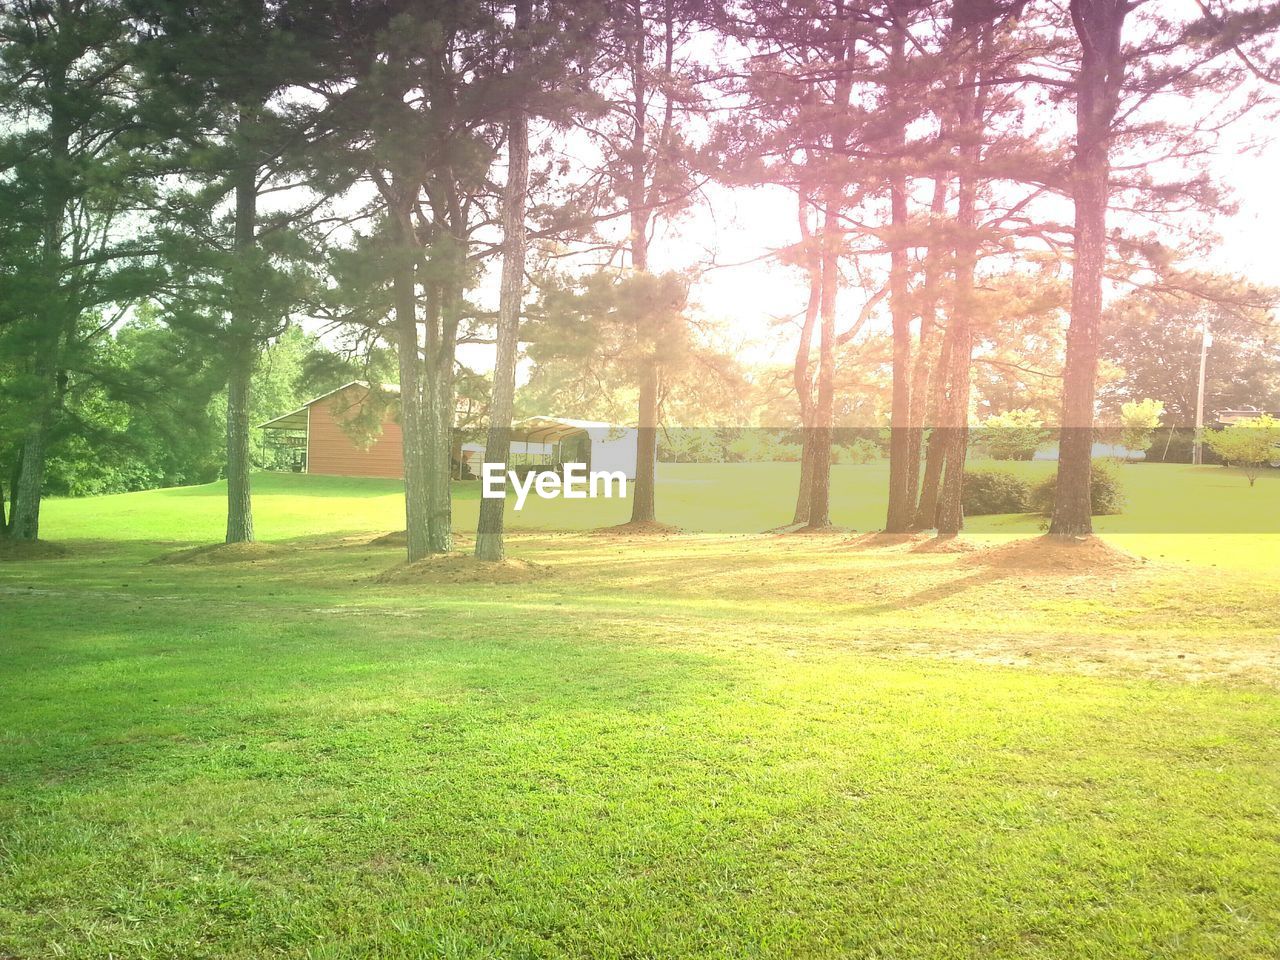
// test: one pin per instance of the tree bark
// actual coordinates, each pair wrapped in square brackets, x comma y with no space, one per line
[239,497]
[24,520]
[1099,25]
[808,451]
[935,459]
[902,474]
[439,419]
[405,305]
[14,475]
[242,356]
[642,496]
[972,111]
[60,323]
[930,367]
[802,378]
[497,448]
[824,408]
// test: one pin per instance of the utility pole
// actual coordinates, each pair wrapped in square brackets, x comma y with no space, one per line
[1206,340]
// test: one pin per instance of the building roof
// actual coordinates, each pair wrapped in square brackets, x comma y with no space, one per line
[297,419]
[1248,413]
[538,429]
[552,429]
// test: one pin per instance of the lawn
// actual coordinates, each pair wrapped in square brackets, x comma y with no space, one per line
[707,745]
[1178,513]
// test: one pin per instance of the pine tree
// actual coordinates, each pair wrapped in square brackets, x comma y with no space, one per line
[219,76]
[77,171]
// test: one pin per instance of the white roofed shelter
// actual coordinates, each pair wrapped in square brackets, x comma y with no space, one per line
[601,446]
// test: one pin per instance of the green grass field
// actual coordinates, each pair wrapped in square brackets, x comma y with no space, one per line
[706,745]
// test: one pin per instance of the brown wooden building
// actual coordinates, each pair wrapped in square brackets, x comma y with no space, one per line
[354,431]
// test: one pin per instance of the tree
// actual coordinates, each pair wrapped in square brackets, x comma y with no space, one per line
[1139,421]
[1013,435]
[75,165]
[1113,81]
[646,78]
[541,56]
[218,75]
[1249,444]
[1243,368]
[489,544]
[414,108]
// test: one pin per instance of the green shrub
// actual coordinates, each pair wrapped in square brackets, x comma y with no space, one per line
[1012,435]
[994,491]
[1105,495]
[857,450]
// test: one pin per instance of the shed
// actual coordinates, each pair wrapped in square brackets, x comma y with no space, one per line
[601,446]
[354,431]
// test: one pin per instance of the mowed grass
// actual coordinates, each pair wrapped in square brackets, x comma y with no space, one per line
[1175,512]
[698,746]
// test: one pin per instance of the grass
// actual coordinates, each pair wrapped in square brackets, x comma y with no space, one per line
[1204,515]
[712,746]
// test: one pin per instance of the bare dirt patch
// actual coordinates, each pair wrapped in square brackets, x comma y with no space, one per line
[400,538]
[884,542]
[638,528]
[804,530]
[945,545]
[1056,555]
[31,550]
[218,553]
[463,568]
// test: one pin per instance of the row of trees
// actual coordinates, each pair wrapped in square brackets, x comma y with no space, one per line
[239,163]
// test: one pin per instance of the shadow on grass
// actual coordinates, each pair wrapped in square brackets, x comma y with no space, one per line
[99,688]
[938,592]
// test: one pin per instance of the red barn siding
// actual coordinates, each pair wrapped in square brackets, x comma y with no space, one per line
[332,452]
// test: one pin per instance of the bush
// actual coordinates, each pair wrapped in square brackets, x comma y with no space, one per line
[1012,435]
[1105,495]
[857,450]
[994,491]
[1248,444]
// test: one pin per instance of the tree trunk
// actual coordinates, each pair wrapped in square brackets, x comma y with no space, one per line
[930,367]
[935,458]
[972,109]
[802,378]
[497,447]
[24,519]
[242,344]
[955,435]
[439,421]
[824,408]
[28,483]
[808,451]
[1098,24]
[14,476]
[411,414]
[902,474]
[642,496]
[239,498]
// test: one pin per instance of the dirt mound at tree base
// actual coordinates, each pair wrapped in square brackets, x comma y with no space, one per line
[400,538]
[216,553]
[463,568]
[878,540]
[945,545]
[1056,555]
[31,550]
[804,530]
[638,528]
